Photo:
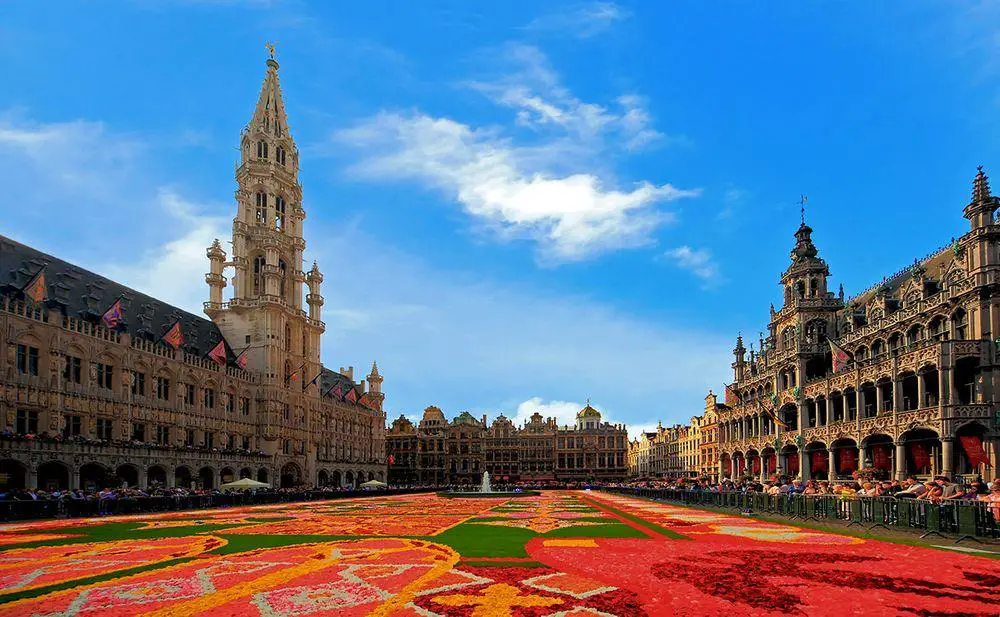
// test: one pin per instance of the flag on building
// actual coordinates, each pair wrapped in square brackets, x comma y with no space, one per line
[351,396]
[840,356]
[392,460]
[113,316]
[36,289]
[218,353]
[174,337]
[338,393]
[732,395]
[241,360]
[312,381]
[771,414]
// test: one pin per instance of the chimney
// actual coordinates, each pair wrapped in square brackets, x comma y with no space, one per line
[484,419]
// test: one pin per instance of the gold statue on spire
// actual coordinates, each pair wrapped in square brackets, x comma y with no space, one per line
[270,48]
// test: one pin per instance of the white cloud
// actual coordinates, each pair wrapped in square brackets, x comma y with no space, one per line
[563,411]
[534,90]
[697,261]
[571,217]
[172,271]
[551,191]
[581,21]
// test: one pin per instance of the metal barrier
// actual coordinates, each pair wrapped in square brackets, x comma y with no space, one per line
[964,518]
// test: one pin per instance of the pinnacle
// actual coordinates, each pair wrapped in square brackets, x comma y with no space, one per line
[981,187]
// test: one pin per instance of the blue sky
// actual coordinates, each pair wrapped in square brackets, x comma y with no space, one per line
[516,205]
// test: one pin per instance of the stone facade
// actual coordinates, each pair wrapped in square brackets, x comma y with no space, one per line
[679,451]
[87,405]
[436,451]
[917,391]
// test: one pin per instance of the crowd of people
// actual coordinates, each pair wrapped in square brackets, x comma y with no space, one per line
[939,489]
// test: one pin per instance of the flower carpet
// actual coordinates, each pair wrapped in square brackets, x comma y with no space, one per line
[558,554]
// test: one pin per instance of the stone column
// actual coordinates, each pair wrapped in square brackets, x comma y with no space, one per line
[804,470]
[897,395]
[921,390]
[829,409]
[878,399]
[900,461]
[832,472]
[946,456]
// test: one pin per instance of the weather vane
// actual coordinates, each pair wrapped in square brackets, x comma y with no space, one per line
[803,200]
[270,49]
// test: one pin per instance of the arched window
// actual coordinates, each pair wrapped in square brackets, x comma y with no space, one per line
[281,269]
[812,288]
[861,353]
[816,331]
[279,154]
[258,277]
[878,348]
[800,289]
[915,334]
[262,149]
[279,212]
[936,329]
[895,342]
[960,324]
[788,338]
[261,202]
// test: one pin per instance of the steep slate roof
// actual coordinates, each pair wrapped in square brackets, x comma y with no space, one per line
[328,380]
[82,294]
[79,293]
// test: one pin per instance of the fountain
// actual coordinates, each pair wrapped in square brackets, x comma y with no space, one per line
[486,490]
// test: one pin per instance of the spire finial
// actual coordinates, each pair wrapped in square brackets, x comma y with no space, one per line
[270,48]
[803,200]
[981,187]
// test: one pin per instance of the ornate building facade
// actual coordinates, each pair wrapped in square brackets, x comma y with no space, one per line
[679,451]
[436,451]
[915,388]
[89,403]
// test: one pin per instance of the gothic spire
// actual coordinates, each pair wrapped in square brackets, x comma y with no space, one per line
[269,115]
[980,210]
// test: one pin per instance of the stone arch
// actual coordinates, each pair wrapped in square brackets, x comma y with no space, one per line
[819,460]
[128,475]
[94,476]
[349,479]
[246,472]
[970,450]
[336,478]
[226,475]
[878,451]
[262,474]
[322,478]
[291,475]
[922,447]
[182,477]
[53,474]
[14,473]
[846,455]
[156,475]
[206,478]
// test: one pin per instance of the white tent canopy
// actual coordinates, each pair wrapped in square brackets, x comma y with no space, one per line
[374,484]
[244,484]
